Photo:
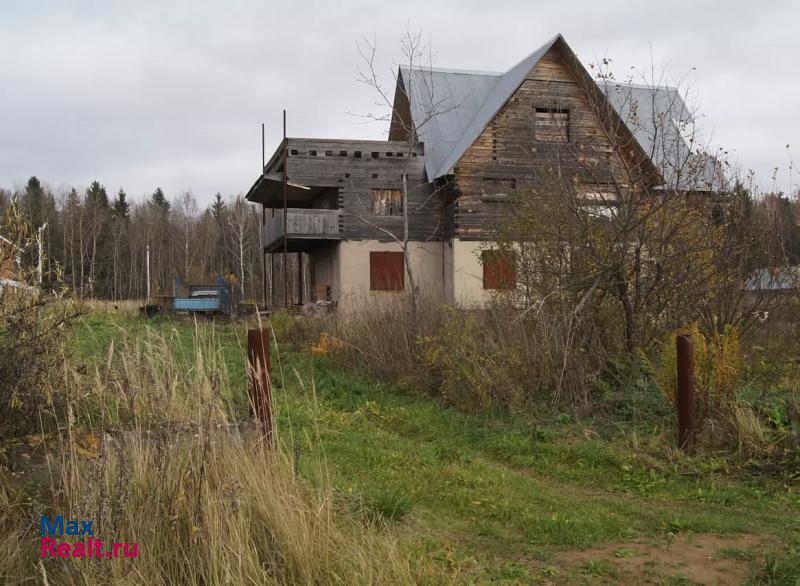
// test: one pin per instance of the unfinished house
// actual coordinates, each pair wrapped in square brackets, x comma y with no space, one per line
[459,142]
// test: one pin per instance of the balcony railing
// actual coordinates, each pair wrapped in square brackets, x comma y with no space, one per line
[301,224]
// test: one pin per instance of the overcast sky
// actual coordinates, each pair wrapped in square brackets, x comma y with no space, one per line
[145,93]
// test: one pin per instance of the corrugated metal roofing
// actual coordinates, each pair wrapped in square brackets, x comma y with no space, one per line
[450,108]
[660,121]
[783,279]
[443,103]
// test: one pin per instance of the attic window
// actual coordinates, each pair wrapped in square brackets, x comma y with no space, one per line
[551,124]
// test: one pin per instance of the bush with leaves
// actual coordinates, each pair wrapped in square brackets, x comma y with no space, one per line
[31,335]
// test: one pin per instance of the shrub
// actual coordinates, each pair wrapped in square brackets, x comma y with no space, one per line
[475,360]
[717,363]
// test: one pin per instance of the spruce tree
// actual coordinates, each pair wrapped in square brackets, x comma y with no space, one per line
[159,201]
[121,207]
[218,207]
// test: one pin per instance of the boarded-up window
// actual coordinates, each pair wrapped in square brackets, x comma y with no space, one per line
[598,199]
[386,271]
[499,269]
[552,124]
[387,202]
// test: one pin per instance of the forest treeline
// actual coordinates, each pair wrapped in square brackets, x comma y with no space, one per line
[95,243]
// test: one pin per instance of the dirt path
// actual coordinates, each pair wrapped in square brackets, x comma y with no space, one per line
[696,559]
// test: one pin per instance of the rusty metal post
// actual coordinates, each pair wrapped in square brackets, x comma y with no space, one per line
[260,382]
[686,398]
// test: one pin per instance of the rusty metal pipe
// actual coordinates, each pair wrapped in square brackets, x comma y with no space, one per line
[686,396]
[260,381]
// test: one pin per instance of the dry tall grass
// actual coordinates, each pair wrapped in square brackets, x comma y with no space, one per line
[497,357]
[205,500]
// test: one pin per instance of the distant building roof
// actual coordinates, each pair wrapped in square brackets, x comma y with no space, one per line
[780,279]
[451,107]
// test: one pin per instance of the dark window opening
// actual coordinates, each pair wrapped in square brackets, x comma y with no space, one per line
[551,124]
[312,153]
[498,186]
[293,152]
[357,154]
[342,153]
[386,271]
[328,153]
[375,155]
[499,269]
[346,175]
[374,175]
[389,154]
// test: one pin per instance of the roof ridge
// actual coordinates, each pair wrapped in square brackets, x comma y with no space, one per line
[453,70]
[638,86]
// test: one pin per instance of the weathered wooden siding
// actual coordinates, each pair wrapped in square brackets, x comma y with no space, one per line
[302,223]
[508,155]
[355,167]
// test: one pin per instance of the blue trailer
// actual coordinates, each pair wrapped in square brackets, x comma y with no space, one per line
[214,298]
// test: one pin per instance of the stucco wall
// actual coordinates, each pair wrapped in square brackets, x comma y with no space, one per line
[449,290]
[353,291]
[468,288]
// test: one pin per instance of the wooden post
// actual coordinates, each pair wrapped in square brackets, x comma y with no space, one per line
[260,381]
[686,398]
[147,261]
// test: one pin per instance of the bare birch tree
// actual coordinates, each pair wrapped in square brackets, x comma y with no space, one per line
[418,63]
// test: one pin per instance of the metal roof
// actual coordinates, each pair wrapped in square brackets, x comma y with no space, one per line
[777,279]
[663,126]
[443,103]
[451,107]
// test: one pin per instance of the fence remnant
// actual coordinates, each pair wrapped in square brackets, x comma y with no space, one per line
[686,397]
[260,381]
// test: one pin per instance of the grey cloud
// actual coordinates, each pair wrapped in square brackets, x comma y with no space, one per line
[139,94]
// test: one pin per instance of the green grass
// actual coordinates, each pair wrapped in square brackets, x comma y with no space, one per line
[494,495]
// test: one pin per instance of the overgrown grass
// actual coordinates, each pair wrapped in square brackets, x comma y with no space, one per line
[147,451]
[457,496]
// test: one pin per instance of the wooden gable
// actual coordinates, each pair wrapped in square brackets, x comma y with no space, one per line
[551,129]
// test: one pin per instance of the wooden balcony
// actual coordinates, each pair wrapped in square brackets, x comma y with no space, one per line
[301,224]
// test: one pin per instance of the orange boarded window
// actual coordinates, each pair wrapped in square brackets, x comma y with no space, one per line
[499,269]
[386,271]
